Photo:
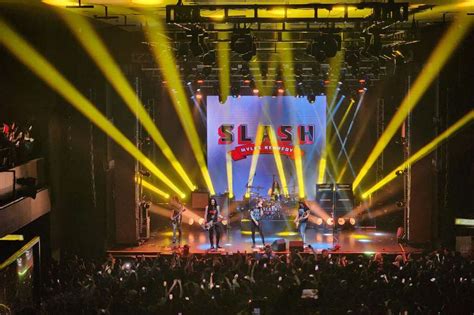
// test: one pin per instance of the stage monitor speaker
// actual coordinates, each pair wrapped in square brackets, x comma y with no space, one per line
[279,245]
[297,246]
[199,200]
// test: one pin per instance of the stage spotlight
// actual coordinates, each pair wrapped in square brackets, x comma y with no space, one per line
[242,42]
[341,221]
[201,221]
[299,90]
[145,173]
[198,95]
[400,204]
[235,91]
[191,221]
[400,172]
[311,98]
[324,46]
[319,221]
[330,221]
[281,91]
[352,221]
[255,91]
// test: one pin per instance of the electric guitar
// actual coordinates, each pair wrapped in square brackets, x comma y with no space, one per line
[303,217]
[181,207]
[206,226]
[220,220]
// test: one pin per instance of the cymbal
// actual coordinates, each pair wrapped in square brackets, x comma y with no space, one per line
[254,187]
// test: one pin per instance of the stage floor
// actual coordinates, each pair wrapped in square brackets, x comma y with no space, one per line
[358,240]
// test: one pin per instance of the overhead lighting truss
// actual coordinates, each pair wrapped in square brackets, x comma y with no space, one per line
[289,13]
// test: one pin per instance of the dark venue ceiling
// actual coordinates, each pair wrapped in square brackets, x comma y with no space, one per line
[375,37]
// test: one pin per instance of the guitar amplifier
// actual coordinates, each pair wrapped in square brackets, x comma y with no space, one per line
[279,245]
[199,200]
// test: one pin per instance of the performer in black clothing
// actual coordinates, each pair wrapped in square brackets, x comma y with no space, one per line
[256,215]
[213,218]
[176,218]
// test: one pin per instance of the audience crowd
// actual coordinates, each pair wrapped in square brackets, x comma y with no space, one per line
[262,283]
[16,144]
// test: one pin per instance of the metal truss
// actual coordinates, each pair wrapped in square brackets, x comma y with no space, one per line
[290,13]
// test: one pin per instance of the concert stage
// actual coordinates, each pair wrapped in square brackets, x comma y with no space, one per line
[358,240]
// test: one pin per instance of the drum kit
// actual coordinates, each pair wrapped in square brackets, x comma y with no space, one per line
[275,206]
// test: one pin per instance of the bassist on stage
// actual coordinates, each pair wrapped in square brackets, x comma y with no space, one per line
[213,218]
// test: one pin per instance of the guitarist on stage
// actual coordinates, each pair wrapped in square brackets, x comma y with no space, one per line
[256,215]
[302,219]
[213,217]
[176,218]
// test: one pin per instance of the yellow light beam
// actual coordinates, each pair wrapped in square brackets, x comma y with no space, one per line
[286,61]
[254,69]
[223,59]
[437,11]
[335,65]
[278,161]
[346,114]
[299,170]
[322,168]
[433,66]
[94,46]
[162,52]
[228,163]
[422,152]
[152,188]
[50,75]
[255,155]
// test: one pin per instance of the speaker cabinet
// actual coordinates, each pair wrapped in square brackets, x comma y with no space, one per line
[279,245]
[297,246]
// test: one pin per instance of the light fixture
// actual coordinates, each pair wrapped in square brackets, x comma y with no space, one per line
[324,46]
[330,221]
[145,173]
[400,204]
[352,221]
[198,95]
[243,43]
[400,172]
[341,221]
[319,221]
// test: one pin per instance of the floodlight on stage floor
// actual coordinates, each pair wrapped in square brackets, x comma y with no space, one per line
[94,46]
[22,50]
[440,55]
